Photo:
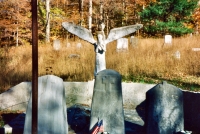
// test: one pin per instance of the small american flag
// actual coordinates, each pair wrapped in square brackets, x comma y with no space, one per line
[98,128]
[101,129]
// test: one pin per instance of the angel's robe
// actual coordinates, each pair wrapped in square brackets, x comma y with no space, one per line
[100,49]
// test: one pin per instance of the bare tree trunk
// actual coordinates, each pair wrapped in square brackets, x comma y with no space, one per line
[90,15]
[107,20]
[101,10]
[47,21]
[81,11]
[123,9]
[17,38]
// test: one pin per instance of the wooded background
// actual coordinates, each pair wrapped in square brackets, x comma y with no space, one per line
[159,17]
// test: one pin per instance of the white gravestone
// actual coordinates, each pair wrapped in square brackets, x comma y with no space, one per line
[177,55]
[79,45]
[168,39]
[52,117]
[122,44]
[196,49]
[56,44]
[133,41]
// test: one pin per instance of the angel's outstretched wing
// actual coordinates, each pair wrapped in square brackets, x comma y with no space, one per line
[117,33]
[79,31]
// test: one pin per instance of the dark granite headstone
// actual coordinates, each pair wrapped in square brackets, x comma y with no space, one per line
[164,113]
[52,116]
[107,104]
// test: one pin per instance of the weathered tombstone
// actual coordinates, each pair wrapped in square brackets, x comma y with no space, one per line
[133,41]
[177,55]
[56,44]
[78,45]
[107,104]
[122,44]
[168,40]
[119,43]
[52,117]
[196,49]
[74,56]
[164,109]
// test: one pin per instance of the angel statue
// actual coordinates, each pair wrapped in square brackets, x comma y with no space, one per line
[100,44]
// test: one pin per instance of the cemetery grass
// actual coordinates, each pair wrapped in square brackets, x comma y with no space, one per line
[150,62]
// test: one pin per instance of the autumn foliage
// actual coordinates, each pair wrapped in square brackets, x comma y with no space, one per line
[15,23]
[15,17]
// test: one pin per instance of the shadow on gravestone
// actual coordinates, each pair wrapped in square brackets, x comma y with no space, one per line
[141,110]
[164,109]
[52,117]
[107,102]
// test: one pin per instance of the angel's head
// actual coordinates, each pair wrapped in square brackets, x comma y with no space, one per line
[101,26]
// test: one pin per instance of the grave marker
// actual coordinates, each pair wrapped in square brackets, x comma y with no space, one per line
[122,44]
[52,117]
[79,45]
[133,41]
[177,55]
[168,39]
[56,45]
[164,109]
[107,104]
[196,49]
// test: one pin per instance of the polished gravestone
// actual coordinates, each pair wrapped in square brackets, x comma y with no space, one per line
[107,104]
[164,109]
[52,117]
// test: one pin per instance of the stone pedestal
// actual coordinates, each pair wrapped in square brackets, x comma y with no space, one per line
[107,104]
[52,117]
[164,113]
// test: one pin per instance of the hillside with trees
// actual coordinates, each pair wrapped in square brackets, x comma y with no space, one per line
[169,16]
[178,17]
[15,23]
